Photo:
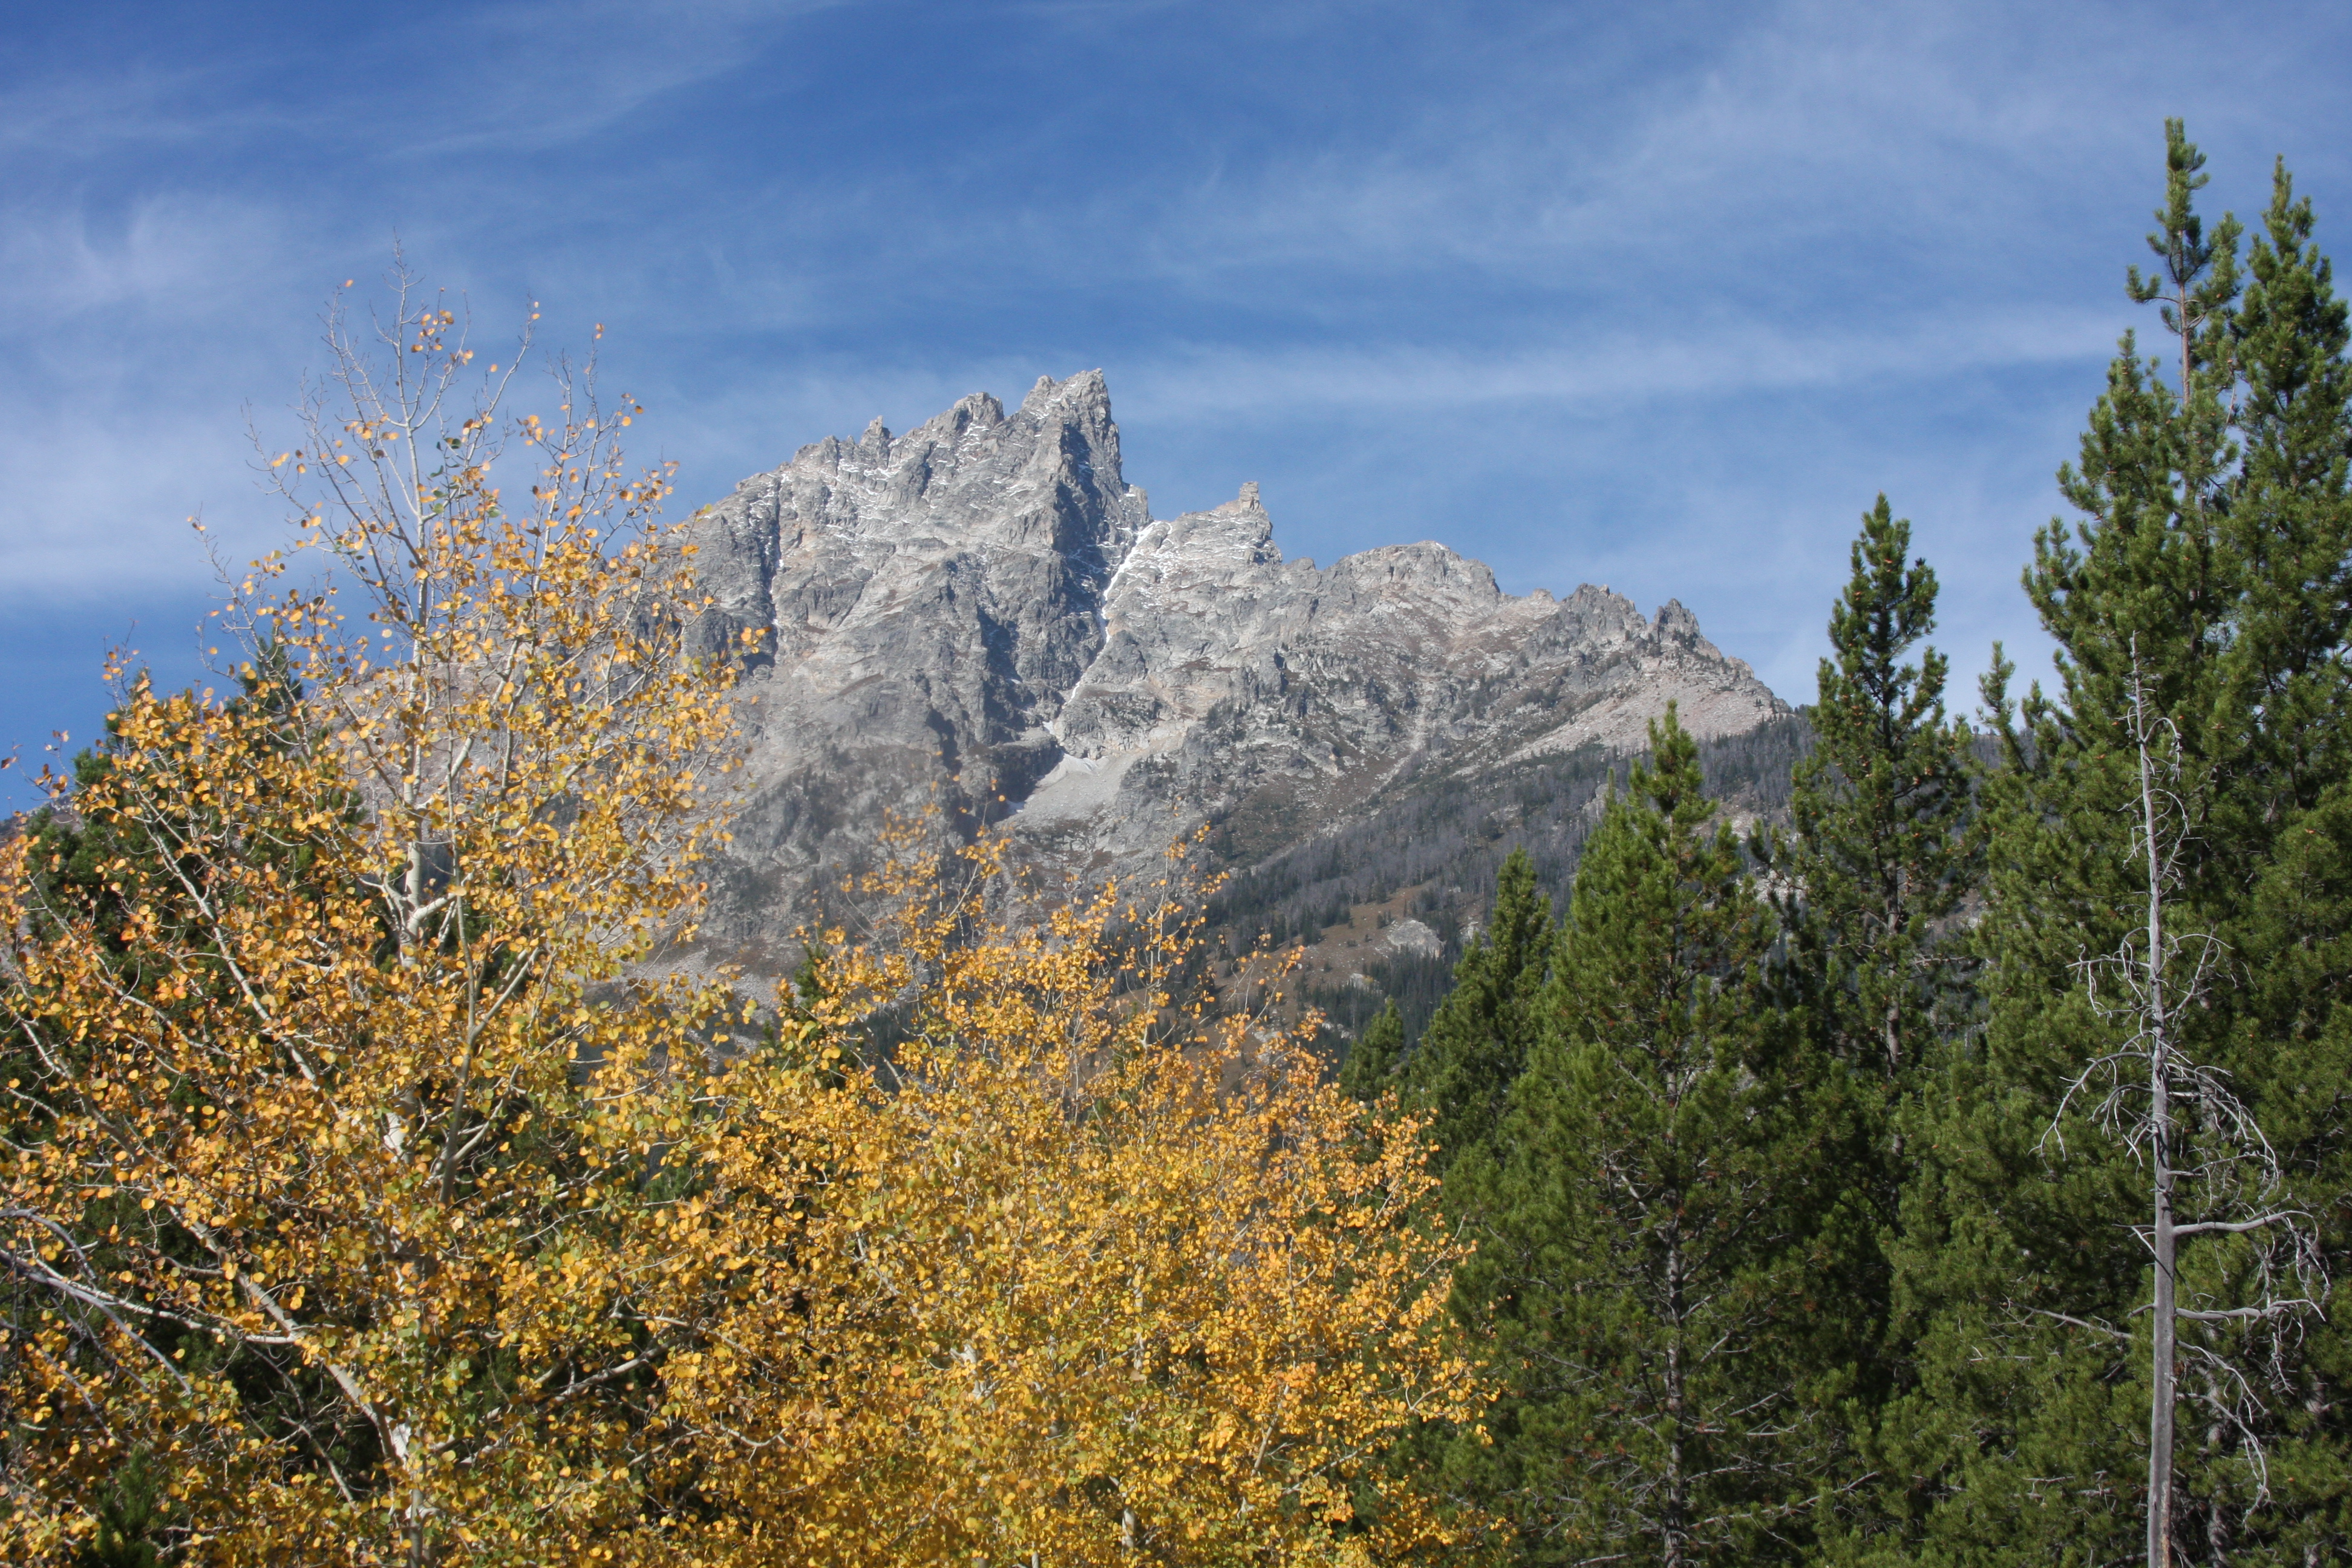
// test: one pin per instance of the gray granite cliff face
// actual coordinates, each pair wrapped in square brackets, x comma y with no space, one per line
[980,615]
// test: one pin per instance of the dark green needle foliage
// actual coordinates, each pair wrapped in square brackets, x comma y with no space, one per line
[1648,1304]
[1881,854]
[1873,971]
[132,1517]
[1369,1068]
[1478,1041]
[2211,551]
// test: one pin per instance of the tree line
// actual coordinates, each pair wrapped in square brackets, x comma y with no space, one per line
[1956,1175]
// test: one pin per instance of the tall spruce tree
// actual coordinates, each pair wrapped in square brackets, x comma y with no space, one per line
[1645,1299]
[1882,853]
[2289,913]
[1478,1041]
[2207,576]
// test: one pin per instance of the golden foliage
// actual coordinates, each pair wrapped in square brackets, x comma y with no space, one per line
[359,1187]
[1077,1272]
[310,1197]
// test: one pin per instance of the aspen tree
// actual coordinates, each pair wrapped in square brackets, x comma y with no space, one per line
[375,1190]
[1073,1272]
[328,1088]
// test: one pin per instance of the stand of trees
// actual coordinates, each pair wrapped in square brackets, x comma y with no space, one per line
[1957,1176]
[372,1192]
[1954,1177]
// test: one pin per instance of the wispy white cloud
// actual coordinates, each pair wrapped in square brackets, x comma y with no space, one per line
[1576,244]
[184,253]
[1960,134]
[101,498]
[80,115]
[562,69]
[1613,369]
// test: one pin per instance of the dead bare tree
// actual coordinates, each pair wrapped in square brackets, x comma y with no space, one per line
[2212,1172]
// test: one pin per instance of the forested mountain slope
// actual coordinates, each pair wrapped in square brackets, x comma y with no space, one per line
[1389,900]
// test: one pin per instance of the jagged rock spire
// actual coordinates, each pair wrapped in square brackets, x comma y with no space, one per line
[981,614]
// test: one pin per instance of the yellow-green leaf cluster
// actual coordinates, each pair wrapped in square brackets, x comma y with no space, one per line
[1076,1270]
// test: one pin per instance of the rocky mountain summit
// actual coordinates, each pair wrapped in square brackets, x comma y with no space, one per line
[982,617]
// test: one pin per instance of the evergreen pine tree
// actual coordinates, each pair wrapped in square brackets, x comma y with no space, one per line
[135,1516]
[1477,1040]
[1881,854]
[2290,915]
[1369,1067]
[2211,564]
[1644,1300]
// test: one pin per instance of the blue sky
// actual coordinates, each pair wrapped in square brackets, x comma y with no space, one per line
[1654,296]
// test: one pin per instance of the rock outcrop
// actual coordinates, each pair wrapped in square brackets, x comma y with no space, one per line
[980,615]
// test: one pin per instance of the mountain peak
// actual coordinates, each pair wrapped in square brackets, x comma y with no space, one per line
[979,615]
[1086,390]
